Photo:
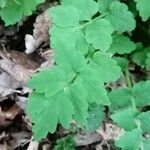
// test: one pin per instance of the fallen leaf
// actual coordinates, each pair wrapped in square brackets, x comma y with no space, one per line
[87,139]
[7,84]
[33,145]
[40,33]
[18,72]
[12,112]
[19,139]
[3,121]
[48,56]
[111,132]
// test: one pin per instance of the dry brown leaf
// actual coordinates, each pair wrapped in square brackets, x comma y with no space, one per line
[6,117]
[28,123]
[19,139]
[40,33]
[111,132]
[48,56]
[3,147]
[12,112]
[87,139]
[7,84]
[3,121]
[14,69]
[33,145]
[25,60]
[22,102]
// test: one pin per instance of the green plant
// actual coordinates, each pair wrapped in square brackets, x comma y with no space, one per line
[65,143]
[126,104]
[85,35]
[82,67]
[12,11]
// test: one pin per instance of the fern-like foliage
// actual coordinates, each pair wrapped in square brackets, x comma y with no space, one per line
[80,40]
[126,106]
[84,35]
[11,11]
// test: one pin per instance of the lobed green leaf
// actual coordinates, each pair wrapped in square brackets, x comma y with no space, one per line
[143,7]
[99,33]
[13,10]
[125,118]
[121,45]
[130,140]
[86,8]
[120,17]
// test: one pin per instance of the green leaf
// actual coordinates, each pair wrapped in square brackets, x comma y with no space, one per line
[28,6]
[11,13]
[76,39]
[64,16]
[143,8]
[50,81]
[95,117]
[2,3]
[99,33]
[147,61]
[65,143]
[145,121]
[64,84]
[125,118]
[120,98]
[141,92]
[59,36]
[120,17]
[13,10]
[79,101]
[40,1]
[140,56]
[68,60]
[105,67]
[94,86]
[130,140]
[122,62]
[146,144]
[81,43]
[121,45]
[104,5]
[86,8]
[46,112]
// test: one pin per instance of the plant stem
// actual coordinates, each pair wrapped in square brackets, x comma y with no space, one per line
[129,84]
[133,104]
[91,21]
[138,123]
[128,78]
[16,1]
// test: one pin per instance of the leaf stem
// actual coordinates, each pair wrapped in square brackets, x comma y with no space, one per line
[91,21]
[16,1]
[128,78]
[138,123]
[129,84]
[133,104]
